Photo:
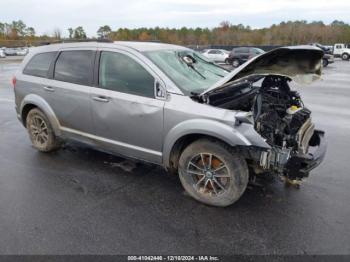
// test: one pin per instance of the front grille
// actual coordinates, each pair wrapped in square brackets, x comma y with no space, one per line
[304,135]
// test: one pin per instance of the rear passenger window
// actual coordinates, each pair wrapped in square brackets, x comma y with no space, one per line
[121,73]
[39,64]
[75,67]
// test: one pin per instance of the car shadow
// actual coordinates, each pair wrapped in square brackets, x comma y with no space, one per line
[103,174]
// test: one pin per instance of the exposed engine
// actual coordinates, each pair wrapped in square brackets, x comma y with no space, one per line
[279,113]
[279,116]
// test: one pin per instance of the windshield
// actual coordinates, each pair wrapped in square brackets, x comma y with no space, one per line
[259,51]
[189,70]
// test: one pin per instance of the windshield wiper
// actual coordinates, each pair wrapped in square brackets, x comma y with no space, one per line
[212,63]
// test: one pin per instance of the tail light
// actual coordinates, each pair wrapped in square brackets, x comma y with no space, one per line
[14,81]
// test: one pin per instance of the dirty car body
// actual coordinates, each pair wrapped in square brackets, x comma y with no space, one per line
[151,101]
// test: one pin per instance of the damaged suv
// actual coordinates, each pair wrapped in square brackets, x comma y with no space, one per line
[169,105]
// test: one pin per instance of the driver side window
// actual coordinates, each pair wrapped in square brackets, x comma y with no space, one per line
[119,72]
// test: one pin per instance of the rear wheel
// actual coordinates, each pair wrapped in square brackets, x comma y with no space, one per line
[40,131]
[345,56]
[212,174]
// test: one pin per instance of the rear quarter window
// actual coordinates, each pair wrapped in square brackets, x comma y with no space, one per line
[39,64]
[75,67]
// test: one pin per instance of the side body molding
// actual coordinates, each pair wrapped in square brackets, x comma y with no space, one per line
[224,132]
[43,106]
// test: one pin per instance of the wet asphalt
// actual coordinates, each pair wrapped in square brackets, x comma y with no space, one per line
[81,201]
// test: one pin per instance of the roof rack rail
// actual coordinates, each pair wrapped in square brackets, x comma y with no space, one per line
[104,40]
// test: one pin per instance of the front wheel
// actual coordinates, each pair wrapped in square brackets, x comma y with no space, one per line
[324,62]
[345,56]
[212,174]
[235,63]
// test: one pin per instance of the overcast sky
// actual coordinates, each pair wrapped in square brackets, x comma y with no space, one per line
[44,16]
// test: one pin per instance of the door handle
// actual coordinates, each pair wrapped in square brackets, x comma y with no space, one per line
[49,88]
[101,99]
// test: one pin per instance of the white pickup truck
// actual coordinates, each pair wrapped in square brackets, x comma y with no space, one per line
[341,50]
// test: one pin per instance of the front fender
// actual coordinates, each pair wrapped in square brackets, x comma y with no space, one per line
[39,102]
[243,135]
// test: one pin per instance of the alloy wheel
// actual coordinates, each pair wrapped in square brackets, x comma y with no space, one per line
[39,131]
[209,174]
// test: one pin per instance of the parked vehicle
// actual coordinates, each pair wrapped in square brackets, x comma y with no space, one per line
[330,48]
[341,50]
[22,51]
[169,105]
[240,55]
[216,55]
[328,57]
[10,51]
[2,54]
[324,48]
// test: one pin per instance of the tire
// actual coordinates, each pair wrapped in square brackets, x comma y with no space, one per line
[235,63]
[345,56]
[324,62]
[41,132]
[226,61]
[220,185]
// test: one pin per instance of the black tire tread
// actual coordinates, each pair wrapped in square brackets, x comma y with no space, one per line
[240,168]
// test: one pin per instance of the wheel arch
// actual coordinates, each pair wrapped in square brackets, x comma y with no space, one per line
[187,132]
[346,53]
[34,101]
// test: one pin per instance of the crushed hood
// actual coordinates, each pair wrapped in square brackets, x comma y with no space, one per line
[299,63]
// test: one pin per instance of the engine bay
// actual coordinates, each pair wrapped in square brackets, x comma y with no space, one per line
[278,113]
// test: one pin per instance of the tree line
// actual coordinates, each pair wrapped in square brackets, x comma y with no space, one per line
[285,33]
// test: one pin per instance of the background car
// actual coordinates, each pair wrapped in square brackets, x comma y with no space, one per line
[342,50]
[10,51]
[22,51]
[240,55]
[2,54]
[216,55]
[328,57]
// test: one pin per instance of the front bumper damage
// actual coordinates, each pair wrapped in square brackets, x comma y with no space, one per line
[296,165]
[299,165]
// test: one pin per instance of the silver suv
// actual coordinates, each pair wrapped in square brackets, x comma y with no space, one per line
[169,105]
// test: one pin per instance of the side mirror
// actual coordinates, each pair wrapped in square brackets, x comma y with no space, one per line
[159,89]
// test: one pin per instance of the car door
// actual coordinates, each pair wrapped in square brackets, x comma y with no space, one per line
[69,88]
[127,115]
[245,54]
[212,55]
[221,56]
[337,50]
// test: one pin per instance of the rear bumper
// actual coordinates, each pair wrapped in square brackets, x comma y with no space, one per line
[299,165]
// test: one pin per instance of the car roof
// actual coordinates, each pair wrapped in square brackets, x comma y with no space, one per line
[149,46]
[138,46]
